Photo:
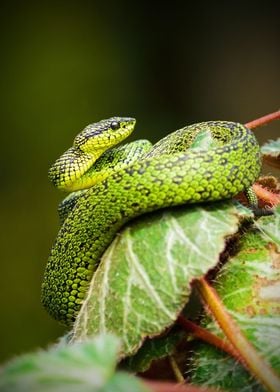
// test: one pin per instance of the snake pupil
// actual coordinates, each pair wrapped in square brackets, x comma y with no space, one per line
[115,124]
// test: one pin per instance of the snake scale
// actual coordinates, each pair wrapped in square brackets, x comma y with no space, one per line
[164,175]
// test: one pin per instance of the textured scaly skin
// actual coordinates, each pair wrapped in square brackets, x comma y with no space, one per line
[69,171]
[112,160]
[167,176]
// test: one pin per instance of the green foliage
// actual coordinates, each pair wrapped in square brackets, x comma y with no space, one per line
[271,148]
[141,286]
[270,227]
[271,153]
[249,287]
[143,280]
[132,290]
[153,349]
[88,367]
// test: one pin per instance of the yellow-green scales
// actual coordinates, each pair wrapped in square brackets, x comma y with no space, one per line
[131,180]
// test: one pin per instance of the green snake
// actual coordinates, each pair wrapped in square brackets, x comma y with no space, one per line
[123,182]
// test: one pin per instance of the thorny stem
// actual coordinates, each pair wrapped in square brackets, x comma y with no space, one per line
[209,337]
[263,120]
[254,362]
[266,195]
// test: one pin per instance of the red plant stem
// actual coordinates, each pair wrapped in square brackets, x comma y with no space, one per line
[263,120]
[254,362]
[160,386]
[266,195]
[209,337]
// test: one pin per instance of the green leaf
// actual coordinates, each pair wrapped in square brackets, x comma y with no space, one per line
[271,152]
[269,227]
[143,280]
[249,286]
[89,366]
[152,349]
[124,382]
[271,148]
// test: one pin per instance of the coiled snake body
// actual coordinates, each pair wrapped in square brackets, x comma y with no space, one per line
[167,174]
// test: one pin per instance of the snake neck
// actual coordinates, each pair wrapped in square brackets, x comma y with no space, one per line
[67,173]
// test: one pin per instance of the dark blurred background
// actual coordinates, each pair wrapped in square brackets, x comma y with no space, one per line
[68,63]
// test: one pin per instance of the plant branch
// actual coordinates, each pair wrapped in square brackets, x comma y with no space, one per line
[263,120]
[208,337]
[175,368]
[254,362]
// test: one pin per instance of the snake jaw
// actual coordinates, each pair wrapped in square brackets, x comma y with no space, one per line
[104,134]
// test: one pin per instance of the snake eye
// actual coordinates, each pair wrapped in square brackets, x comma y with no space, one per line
[115,124]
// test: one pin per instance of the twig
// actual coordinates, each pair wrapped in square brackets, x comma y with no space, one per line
[263,120]
[175,368]
[209,337]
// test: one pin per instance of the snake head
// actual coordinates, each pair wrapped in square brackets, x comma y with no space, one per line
[88,146]
[104,134]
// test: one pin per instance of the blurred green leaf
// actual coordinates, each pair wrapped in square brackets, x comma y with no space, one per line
[271,148]
[271,152]
[269,227]
[89,366]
